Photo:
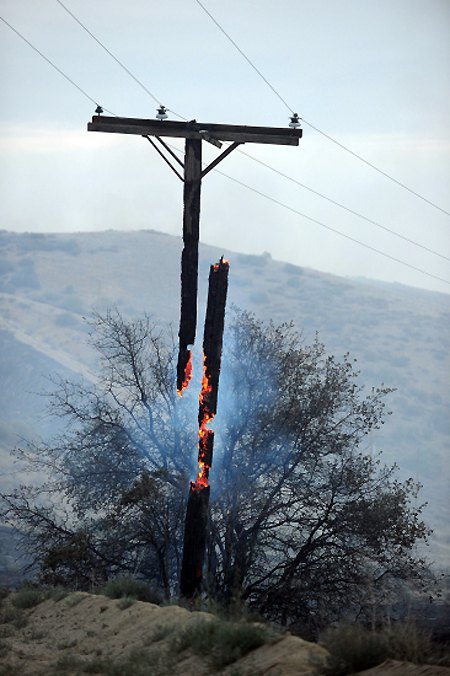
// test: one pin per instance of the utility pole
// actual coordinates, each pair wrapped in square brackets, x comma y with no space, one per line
[194,134]
[193,172]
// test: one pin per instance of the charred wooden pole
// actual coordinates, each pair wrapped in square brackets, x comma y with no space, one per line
[195,530]
[189,259]
[194,133]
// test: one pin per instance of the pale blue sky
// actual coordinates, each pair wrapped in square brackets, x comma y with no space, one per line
[372,73]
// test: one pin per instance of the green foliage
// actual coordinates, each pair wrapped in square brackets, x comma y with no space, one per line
[408,642]
[354,648]
[125,602]
[222,642]
[159,634]
[129,587]
[56,594]
[138,663]
[13,616]
[27,597]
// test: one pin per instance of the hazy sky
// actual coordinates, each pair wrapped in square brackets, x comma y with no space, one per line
[374,74]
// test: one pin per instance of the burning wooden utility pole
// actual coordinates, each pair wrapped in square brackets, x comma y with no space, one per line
[197,508]
[193,172]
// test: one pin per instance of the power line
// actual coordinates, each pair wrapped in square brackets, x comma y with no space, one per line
[122,65]
[342,206]
[242,53]
[272,199]
[327,136]
[325,225]
[58,70]
[328,227]
[380,171]
[108,51]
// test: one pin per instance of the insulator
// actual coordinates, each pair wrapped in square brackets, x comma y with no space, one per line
[161,113]
[99,110]
[295,122]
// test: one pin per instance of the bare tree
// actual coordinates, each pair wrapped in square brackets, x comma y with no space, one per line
[305,525]
[117,477]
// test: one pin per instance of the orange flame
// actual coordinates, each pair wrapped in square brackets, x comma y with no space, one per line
[223,261]
[203,433]
[187,375]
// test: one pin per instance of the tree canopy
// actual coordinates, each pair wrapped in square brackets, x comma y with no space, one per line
[305,524]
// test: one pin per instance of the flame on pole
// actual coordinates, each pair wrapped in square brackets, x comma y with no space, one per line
[197,508]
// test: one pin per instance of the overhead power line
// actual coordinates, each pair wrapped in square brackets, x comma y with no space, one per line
[327,136]
[120,63]
[324,225]
[380,171]
[255,190]
[342,206]
[244,55]
[53,65]
[289,178]
[329,227]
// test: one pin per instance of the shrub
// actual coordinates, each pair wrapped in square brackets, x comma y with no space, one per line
[138,663]
[119,587]
[352,648]
[74,599]
[56,593]
[14,616]
[408,642]
[223,642]
[125,602]
[27,597]
[4,648]
[69,663]
[11,670]
[4,593]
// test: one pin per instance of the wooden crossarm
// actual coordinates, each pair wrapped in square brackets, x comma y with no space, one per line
[195,130]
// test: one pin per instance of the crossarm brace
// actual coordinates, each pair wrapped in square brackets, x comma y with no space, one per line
[221,157]
[164,157]
[170,151]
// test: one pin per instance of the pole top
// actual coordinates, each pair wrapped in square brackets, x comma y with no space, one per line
[196,130]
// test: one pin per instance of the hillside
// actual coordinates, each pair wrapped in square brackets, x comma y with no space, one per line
[77,633]
[399,335]
[62,636]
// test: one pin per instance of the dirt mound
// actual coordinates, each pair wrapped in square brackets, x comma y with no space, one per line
[394,668]
[83,633]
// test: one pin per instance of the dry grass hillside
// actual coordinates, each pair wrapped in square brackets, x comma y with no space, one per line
[86,634]
[70,634]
